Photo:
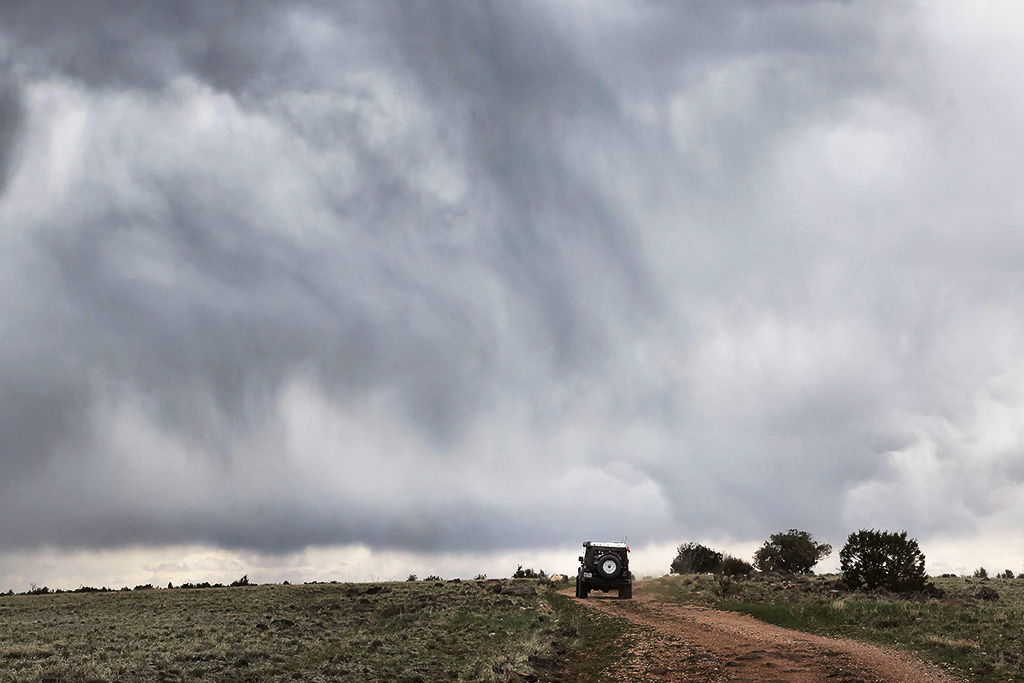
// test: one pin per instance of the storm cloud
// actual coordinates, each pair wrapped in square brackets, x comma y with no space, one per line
[443,275]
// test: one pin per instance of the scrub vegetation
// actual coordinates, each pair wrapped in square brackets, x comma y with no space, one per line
[401,631]
[974,626]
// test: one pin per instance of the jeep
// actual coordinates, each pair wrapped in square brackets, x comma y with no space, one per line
[604,567]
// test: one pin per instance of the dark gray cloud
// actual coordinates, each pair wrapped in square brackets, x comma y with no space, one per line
[145,45]
[290,274]
[11,117]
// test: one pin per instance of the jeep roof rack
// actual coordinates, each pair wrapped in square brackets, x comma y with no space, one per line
[605,544]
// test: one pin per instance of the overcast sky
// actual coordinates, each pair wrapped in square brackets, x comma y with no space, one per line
[478,279]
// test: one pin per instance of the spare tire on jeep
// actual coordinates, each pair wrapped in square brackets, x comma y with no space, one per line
[609,566]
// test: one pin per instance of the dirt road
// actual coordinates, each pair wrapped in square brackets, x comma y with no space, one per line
[686,643]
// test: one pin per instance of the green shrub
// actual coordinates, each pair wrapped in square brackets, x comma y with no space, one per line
[412,577]
[529,573]
[794,552]
[981,573]
[433,577]
[723,585]
[734,566]
[882,559]
[694,558]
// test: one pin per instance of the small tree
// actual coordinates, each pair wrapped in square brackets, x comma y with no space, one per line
[794,552]
[981,573]
[734,566]
[882,559]
[693,558]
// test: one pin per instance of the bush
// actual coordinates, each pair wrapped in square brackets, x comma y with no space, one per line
[882,559]
[480,577]
[1007,574]
[734,566]
[693,558]
[433,577]
[412,577]
[244,581]
[793,552]
[722,587]
[529,573]
[980,573]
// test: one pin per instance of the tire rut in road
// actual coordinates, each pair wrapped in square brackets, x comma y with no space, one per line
[687,643]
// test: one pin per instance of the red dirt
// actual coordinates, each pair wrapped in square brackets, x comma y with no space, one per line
[689,643]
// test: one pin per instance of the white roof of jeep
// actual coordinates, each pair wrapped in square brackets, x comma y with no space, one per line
[604,544]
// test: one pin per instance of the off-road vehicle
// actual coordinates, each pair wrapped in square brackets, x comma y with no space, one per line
[604,567]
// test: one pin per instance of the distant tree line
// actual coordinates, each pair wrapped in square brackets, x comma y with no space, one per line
[43,590]
[870,559]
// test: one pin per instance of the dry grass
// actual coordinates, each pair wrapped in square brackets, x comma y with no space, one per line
[324,632]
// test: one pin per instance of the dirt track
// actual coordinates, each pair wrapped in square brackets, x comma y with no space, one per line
[686,643]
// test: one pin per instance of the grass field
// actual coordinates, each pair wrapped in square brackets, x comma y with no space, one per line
[461,631]
[982,639]
[407,631]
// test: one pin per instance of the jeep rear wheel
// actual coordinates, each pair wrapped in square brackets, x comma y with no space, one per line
[609,566]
